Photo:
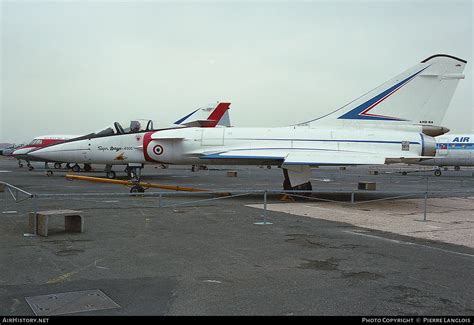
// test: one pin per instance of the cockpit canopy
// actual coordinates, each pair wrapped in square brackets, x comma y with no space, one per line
[130,127]
[35,142]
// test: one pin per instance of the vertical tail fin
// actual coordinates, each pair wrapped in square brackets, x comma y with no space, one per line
[420,95]
[210,116]
[217,114]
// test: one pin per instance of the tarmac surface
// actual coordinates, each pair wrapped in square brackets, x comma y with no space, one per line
[176,256]
[449,220]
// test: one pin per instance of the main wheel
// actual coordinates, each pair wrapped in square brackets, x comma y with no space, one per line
[110,174]
[87,167]
[57,165]
[30,167]
[437,172]
[49,173]
[76,168]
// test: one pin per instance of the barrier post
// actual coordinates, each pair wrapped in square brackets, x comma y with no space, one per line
[35,211]
[264,211]
[424,206]
[4,200]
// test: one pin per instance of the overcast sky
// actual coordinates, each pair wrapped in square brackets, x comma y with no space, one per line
[71,67]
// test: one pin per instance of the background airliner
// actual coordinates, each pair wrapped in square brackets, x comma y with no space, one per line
[43,141]
[452,150]
[6,149]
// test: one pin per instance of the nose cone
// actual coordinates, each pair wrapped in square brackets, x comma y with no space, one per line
[64,152]
[49,153]
[22,152]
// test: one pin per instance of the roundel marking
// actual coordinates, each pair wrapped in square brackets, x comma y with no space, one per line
[157,150]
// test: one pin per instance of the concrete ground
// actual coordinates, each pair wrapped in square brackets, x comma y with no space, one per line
[210,258]
[448,220]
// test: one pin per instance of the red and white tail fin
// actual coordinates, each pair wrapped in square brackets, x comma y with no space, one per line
[209,116]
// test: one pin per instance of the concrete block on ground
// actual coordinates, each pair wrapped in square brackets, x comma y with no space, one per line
[73,221]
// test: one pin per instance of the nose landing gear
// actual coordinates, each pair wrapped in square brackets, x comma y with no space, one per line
[135,171]
[137,189]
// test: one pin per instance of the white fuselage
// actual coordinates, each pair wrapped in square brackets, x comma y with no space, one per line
[248,145]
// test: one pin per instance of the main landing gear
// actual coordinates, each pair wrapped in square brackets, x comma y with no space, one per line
[297,178]
[76,168]
[438,172]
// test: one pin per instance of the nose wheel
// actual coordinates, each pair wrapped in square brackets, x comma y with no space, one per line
[137,189]
[135,172]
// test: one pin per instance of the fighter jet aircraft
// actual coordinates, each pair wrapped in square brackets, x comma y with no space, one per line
[212,115]
[200,117]
[395,122]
